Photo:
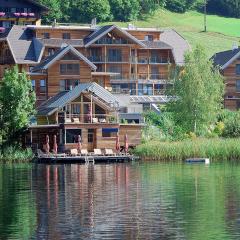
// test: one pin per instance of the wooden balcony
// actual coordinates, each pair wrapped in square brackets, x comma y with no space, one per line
[88,118]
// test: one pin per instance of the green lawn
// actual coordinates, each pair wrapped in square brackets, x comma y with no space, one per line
[222,32]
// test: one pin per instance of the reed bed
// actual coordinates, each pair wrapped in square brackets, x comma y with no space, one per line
[215,149]
[16,155]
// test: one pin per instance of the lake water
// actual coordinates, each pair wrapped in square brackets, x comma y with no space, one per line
[120,201]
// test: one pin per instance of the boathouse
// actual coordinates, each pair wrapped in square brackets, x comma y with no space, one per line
[87,110]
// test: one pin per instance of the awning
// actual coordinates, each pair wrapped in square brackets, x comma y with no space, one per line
[109,130]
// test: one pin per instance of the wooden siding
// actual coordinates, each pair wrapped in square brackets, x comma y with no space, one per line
[134,133]
[230,86]
[58,33]
[141,34]
[54,76]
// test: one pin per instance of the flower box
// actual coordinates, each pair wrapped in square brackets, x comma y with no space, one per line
[2,14]
[17,14]
[31,14]
[2,29]
[24,14]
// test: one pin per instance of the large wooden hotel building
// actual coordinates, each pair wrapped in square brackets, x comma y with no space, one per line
[95,81]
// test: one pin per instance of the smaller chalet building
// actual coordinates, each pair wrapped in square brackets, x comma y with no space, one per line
[87,110]
[229,65]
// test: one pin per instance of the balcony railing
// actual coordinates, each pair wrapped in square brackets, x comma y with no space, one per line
[87,118]
[134,77]
[96,59]
[158,76]
[19,15]
[158,60]
[121,77]
[111,41]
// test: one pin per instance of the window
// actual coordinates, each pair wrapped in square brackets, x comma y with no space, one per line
[114,55]
[90,135]
[145,89]
[51,51]
[71,135]
[33,85]
[69,69]
[66,85]
[13,10]
[148,38]
[70,56]
[46,35]
[238,85]
[75,109]
[43,86]
[66,36]
[238,69]
[109,132]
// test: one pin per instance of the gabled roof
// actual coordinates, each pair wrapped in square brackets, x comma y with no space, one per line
[156,45]
[178,43]
[58,55]
[102,31]
[57,42]
[225,58]
[63,98]
[25,49]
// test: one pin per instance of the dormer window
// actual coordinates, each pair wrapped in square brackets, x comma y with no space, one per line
[51,51]
[13,10]
[148,38]
[66,36]
[46,35]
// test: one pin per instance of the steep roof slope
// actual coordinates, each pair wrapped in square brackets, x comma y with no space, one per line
[24,49]
[223,59]
[61,99]
[179,44]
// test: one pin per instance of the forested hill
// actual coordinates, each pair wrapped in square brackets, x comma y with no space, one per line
[222,32]
[127,10]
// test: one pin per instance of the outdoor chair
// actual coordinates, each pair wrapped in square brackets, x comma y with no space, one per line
[109,152]
[68,120]
[74,152]
[84,152]
[95,120]
[76,120]
[97,152]
[102,120]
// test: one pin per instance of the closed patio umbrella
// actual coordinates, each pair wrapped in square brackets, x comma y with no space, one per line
[55,146]
[89,115]
[126,143]
[117,143]
[47,147]
[79,143]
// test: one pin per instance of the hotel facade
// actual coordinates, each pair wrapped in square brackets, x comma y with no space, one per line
[109,73]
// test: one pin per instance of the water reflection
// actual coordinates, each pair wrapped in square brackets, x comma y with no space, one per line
[120,201]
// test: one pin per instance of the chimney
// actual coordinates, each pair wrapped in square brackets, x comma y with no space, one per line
[234,46]
[54,24]
[94,23]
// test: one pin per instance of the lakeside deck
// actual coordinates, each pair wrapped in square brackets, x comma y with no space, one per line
[52,159]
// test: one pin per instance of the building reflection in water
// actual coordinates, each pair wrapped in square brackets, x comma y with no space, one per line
[97,202]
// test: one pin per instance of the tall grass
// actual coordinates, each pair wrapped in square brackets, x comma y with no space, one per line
[16,155]
[215,149]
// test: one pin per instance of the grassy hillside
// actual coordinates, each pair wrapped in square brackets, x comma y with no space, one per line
[222,32]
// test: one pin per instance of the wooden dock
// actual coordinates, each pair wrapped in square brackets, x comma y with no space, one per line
[85,159]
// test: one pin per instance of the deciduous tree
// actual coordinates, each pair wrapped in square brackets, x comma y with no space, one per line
[198,92]
[17,101]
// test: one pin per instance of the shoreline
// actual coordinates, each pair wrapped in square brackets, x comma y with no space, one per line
[216,149]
